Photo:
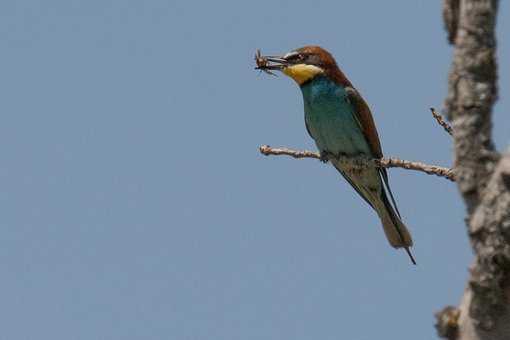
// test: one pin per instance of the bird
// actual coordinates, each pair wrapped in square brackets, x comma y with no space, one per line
[340,122]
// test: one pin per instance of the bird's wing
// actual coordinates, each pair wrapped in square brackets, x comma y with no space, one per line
[367,125]
[308,130]
[364,118]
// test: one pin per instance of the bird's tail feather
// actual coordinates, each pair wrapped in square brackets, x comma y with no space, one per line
[396,232]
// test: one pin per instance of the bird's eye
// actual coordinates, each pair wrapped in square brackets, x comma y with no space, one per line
[295,57]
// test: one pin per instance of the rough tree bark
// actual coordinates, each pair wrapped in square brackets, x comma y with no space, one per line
[482,174]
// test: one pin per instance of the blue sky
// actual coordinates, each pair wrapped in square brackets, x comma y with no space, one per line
[134,201]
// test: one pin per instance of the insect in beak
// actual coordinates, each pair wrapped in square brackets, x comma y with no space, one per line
[269,63]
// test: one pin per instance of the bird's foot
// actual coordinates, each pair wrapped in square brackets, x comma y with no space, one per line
[324,158]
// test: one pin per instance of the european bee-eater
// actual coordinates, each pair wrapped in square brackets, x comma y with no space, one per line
[341,124]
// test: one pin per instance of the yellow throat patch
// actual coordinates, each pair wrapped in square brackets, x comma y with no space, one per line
[302,72]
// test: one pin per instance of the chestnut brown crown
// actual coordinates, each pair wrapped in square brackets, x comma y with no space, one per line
[317,56]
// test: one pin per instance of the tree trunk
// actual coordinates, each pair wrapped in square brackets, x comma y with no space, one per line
[483,175]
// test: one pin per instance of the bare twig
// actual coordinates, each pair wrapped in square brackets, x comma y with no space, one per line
[360,161]
[441,121]
[267,150]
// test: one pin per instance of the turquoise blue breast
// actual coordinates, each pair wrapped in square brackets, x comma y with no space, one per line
[329,116]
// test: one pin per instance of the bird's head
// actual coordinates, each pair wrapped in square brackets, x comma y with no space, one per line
[302,64]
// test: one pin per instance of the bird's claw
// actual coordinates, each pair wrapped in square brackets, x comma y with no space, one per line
[324,157]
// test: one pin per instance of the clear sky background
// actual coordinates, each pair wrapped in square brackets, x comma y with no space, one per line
[134,203]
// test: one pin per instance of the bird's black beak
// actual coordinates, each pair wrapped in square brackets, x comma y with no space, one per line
[269,63]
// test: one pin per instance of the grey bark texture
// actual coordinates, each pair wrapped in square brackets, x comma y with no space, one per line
[482,174]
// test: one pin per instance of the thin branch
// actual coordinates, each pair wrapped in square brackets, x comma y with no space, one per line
[267,150]
[441,121]
[363,162]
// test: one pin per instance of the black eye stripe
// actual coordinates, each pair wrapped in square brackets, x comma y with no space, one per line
[296,57]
